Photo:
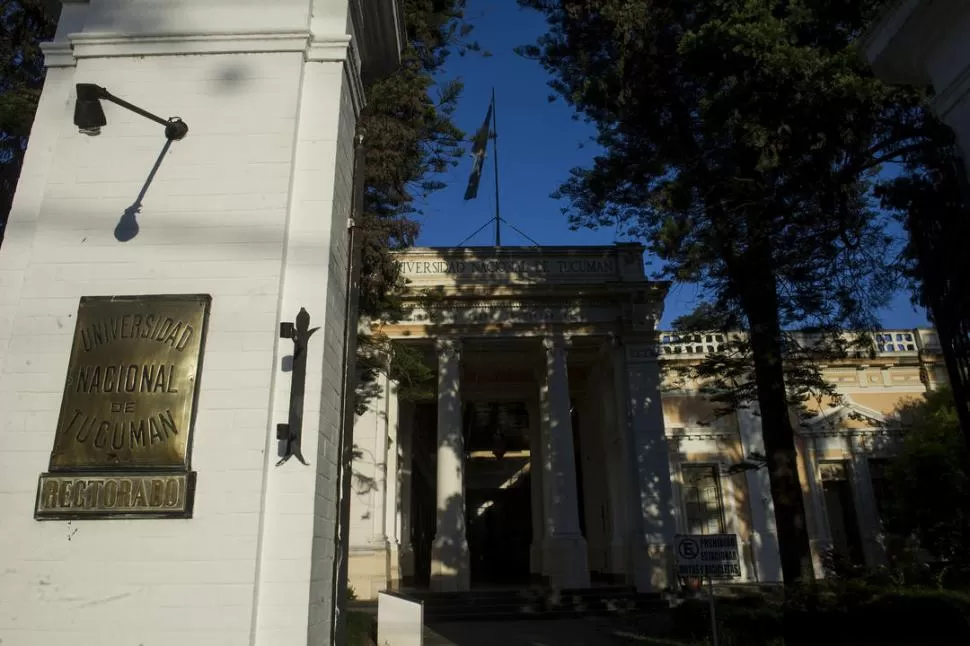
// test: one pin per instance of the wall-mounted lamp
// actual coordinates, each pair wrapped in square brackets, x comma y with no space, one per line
[89,115]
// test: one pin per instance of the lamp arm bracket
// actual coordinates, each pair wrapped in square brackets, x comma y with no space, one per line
[134,108]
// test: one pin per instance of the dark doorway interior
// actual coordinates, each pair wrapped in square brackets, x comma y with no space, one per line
[423,484]
[498,494]
[499,534]
[422,528]
[841,511]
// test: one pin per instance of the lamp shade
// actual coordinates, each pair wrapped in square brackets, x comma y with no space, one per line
[88,113]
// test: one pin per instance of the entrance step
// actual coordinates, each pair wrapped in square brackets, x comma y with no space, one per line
[532,603]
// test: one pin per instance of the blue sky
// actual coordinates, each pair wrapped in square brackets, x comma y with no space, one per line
[538,143]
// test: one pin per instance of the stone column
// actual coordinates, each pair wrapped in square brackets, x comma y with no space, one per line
[535,481]
[392,493]
[405,439]
[449,551]
[565,558]
[545,480]
[653,519]
[379,489]
[764,533]
[819,536]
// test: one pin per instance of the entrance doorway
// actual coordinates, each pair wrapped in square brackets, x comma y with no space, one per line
[840,508]
[499,534]
[498,493]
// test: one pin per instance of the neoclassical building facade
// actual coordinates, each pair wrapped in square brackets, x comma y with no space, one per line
[561,447]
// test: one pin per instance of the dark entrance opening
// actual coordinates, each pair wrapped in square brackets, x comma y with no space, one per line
[840,507]
[423,484]
[498,494]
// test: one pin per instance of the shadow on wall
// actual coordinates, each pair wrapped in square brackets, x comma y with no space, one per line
[127,227]
[226,76]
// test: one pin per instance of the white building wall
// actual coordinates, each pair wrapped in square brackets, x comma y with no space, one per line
[296,564]
[251,208]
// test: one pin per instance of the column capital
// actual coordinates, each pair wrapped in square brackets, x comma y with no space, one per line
[556,342]
[447,345]
[641,352]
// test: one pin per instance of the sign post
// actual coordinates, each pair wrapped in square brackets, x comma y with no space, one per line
[710,556]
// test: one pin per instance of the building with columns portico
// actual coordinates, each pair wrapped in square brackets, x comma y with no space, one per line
[559,446]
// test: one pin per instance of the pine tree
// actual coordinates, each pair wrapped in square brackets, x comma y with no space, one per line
[24,24]
[933,457]
[410,140]
[741,140]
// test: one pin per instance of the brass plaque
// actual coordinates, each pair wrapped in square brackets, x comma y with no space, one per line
[101,496]
[123,441]
[129,399]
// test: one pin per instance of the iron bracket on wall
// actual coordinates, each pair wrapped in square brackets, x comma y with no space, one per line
[289,435]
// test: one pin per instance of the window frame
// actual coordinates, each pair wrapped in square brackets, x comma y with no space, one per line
[714,468]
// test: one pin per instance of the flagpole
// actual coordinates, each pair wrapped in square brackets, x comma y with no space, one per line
[498,218]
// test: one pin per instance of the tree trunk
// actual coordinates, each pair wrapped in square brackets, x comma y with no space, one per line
[760,300]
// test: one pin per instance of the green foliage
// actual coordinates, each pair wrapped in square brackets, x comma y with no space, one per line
[856,614]
[405,365]
[929,196]
[415,378]
[361,630]
[741,139]
[736,136]
[24,24]
[930,481]
[410,140]
[753,623]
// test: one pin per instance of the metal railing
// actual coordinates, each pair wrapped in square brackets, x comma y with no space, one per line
[694,345]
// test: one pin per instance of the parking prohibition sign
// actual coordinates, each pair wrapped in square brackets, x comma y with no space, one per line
[713,556]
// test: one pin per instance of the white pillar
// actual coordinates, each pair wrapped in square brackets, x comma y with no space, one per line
[379,490]
[391,471]
[820,537]
[565,558]
[654,529]
[764,532]
[535,481]
[543,467]
[449,552]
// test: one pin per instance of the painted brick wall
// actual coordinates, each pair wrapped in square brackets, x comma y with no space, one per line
[325,507]
[241,209]
[212,221]
[296,565]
